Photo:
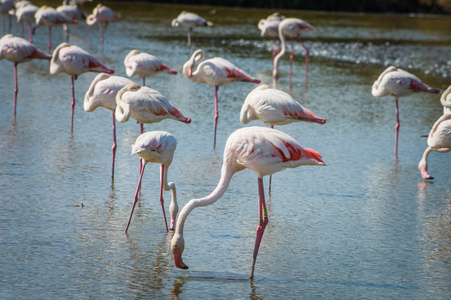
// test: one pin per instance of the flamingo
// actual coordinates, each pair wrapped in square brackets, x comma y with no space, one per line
[104,15]
[157,147]
[190,20]
[145,65]
[102,92]
[48,16]
[216,72]
[72,12]
[439,140]
[74,61]
[445,100]
[292,27]
[25,12]
[263,150]
[270,27]
[18,50]
[399,83]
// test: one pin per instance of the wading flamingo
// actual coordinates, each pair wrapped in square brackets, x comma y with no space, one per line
[25,12]
[216,72]
[74,61]
[264,151]
[18,50]
[190,20]
[270,27]
[274,107]
[292,27]
[145,65]
[399,83]
[439,140]
[104,15]
[102,92]
[73,13]
[157,147]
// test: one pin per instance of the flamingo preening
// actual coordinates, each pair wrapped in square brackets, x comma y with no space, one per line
[157,147]
[190,20]
[396,82]
[216,72]
[263,150]
[102,93]
[292,27]
[74,61]
[18,50]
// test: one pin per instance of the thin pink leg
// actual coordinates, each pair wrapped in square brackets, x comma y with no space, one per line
[291,61]
[216,115]
[50,40]
[397,128]
[136,197]
[306,64]
[274,48]
[30,33]
[161,195]
[101,38]
[73,105]
[16,88]
[144,81]
[114,145]
[263,221]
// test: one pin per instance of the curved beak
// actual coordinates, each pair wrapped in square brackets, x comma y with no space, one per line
[178,261]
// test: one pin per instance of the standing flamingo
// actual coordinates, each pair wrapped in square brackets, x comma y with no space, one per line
[145,65]
[157,147]
[72,12]
[263,150]
[25,12]
[48,16]
[103,15]
[74,61]
[18,50]
[102,92]
[399,83]
[292,27]
[215,72]
[270,27]
[439,140]
[445,100]
[190,20]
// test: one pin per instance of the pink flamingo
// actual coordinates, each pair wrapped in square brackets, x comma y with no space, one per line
[216,72]
[157,147]
[48,16]
[25,12]
[263,150]
[439,140]
[74,61]
[103,15]
[270,27]
[18,50]
[72,12]
[190,20]
[102,92]
[399,83]
[292,27]
[145,65]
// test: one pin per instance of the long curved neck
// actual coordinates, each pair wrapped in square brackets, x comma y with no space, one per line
[275,71]
[437,123]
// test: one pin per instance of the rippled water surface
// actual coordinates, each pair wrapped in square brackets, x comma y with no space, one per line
[366,226]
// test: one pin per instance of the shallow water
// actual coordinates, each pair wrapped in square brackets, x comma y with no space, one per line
[366,226]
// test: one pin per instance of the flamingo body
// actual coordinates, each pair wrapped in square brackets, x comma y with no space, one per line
[264,151]
[25,14]
[270,27]
[190,20]
[157,147]
[103,15]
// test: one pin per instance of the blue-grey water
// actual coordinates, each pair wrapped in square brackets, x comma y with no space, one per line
[367,226]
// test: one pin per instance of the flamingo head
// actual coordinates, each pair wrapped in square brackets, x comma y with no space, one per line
[177,247]
[188,67]
[445,100]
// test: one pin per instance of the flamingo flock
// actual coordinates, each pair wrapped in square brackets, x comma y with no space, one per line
[264,150]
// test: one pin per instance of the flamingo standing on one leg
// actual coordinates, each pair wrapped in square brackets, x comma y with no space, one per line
[102,92]
[25,12]
[190,20]
[399,83]
[270,27]
[72,12]
[263,150]
[104,15]
[157,147]
[274,107]
[439,140]
[18,50]
[74,61]
[216,72]
[145,65]
[292,27]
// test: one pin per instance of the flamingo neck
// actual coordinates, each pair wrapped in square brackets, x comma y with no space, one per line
[281,53]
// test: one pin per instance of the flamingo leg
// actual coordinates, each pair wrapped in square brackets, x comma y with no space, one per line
[291,61]
[397,128]
[306,64]
[216,115]
[16,88]
[161,195]
[189,36]
[72,105]
[30,33]
[263,221]
[270,177]
[274,47]
[50,39]
[140,161]
[113,149]
[144,81]
[101,38]
[136,197]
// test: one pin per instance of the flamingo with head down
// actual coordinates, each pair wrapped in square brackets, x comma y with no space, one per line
[263,150]
[216,72]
